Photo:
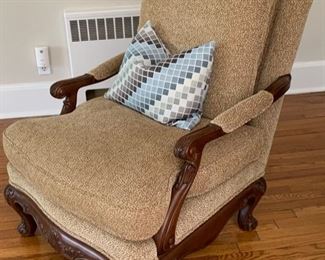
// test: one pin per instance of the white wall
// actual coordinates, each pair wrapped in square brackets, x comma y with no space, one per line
[25,24]
[312,45]
[309,69]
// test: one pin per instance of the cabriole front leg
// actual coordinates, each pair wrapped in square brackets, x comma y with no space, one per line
[246,220]
[28,226]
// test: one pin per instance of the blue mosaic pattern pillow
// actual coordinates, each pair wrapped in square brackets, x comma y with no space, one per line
[168,88]
[146,47]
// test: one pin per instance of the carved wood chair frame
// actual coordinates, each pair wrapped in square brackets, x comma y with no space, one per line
[188,148]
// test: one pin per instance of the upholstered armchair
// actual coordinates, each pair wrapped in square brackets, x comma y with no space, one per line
[102,181]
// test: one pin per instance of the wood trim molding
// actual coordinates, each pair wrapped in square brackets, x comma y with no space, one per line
[68,89]
[279,87]
[72,248]
[245,203]
[189,148]
[33,217]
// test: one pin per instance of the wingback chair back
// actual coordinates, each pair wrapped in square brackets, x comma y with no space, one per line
[253,48]
[237,28]
[279,53]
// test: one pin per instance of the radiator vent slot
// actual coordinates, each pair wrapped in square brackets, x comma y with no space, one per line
[103,28]
[83,30]
[74,31]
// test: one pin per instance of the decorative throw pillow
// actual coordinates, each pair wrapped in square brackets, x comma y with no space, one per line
[168,88]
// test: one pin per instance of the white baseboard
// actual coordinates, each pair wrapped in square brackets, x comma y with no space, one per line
[34,99]
[27,99]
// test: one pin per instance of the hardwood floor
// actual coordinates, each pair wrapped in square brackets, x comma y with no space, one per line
[291,215]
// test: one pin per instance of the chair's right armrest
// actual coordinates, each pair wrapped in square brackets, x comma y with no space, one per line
[68,88]
[190,147]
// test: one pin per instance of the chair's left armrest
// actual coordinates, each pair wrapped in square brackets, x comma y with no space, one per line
[190,146]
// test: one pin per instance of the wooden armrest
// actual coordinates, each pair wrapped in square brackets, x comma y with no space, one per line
[279,87]
[190,146]
[68,89]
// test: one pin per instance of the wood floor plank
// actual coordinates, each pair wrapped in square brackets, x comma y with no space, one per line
[317,219]
[281,242]
[216,250]
[299,212]
[289,231]
[291,215]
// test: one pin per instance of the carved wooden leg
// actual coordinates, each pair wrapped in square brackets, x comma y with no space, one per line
[69,104]
[165,237]
[68,246]
[246,220]
[28,226]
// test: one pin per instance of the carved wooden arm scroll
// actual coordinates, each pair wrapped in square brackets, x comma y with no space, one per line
[189,148]
[68,89]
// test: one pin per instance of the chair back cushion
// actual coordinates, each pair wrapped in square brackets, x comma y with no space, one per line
[239,28]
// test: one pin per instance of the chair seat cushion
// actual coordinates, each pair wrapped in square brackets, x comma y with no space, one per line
[114,167]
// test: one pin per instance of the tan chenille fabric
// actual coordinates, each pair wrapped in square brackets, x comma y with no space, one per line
[104,162]
[225,157]
[104,242]
[115,167]
[194,212]
[108,68]
[244,111]
[238,27]
[279,55]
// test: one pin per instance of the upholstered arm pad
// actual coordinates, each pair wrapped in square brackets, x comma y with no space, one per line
[251,107]
[108,68]
[244,111]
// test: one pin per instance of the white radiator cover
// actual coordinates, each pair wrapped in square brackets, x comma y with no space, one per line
[95,36]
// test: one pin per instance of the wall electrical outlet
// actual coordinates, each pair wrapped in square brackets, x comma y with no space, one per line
[43,60]
[44,70]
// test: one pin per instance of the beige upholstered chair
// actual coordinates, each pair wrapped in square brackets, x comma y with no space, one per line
[103,181]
